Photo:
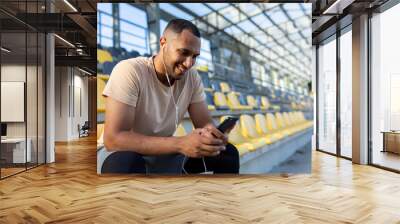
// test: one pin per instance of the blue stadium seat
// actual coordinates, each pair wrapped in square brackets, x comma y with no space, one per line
[206,81]
[108,67]
[215,85]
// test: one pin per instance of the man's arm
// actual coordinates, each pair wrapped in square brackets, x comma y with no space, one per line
[200,115]
[119,136]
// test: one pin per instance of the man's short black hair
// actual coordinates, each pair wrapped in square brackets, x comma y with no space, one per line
[178,25]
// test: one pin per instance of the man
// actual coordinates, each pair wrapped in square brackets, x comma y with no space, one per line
[146,98]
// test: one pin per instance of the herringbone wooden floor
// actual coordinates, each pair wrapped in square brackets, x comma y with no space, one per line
[70,191]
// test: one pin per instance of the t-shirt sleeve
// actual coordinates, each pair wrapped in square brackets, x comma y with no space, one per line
[123,84]
[198,89]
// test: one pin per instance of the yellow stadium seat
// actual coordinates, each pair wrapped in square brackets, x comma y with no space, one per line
[273,127]
[100,133]
[224,87]
[234,104]
[202,68]
[261,127]
[180,131]
[101,107]
[249,131]
[307,123]
[280,121]
[252,101]
[264,103]
[208,89]
[290,123]
[103,77]
[294,105]
[103,56]
[100,130]
[236,138]
[211,107]
[297,120]
[220,100]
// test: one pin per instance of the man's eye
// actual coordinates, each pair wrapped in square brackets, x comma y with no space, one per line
[185,53]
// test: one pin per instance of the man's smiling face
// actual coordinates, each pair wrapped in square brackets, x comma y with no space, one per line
[180,52]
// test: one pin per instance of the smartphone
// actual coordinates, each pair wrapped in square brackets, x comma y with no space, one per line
[227,124]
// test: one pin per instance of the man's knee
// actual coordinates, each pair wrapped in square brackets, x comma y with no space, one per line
[228,161]
[124,162]
[234,157]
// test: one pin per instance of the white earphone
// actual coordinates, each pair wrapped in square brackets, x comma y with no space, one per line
[177,114]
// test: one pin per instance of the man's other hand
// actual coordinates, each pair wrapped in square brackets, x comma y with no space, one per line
[201,142]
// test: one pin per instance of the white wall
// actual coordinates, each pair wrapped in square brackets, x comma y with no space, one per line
[71,93]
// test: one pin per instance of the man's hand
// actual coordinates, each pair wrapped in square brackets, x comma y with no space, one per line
[217,133]
[200,143]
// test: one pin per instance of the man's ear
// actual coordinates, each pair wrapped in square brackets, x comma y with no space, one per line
[162,41]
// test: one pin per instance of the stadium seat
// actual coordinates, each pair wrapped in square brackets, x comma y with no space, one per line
[180,131]
[103,77]
[282,124]
[115,52]
[210,101]
[215,85]
[249,131]
[261,127]
[101,84]
[296,121]
[108,67]
[273,127]
[100,133]
[225,88]
[236,138]
[303,121]
[103,56]
[133,54]
[290,123]
[220,101]
[206,81]
[251,101]
[264,103]
[234,104]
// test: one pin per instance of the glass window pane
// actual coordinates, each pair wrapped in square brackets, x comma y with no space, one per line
[13,83]
[106,42]
[105,7]
[385,86]
[106,20]
[130,28]
[346,94]
[130,39]
[163,24]
[106,32]
[327,97]
[170,8]
[132,14]
[198,8]
[31,100]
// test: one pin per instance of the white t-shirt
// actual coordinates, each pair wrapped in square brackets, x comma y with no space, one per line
[135,83]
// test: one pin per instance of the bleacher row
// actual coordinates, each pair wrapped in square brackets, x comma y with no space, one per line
[107,58]
[254,132]
[225,100]
[251,132]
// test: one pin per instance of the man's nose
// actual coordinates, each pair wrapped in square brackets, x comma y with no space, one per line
[188,63]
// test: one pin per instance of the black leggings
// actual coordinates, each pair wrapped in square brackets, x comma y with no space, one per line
[131,162]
